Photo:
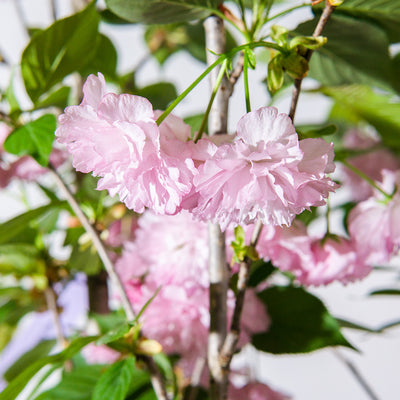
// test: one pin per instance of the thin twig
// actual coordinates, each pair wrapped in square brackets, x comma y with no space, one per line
[51,301]
[53,8]
[156,378]
[235,74]
[317,32]
[217,124]
[195,379]
[357,374]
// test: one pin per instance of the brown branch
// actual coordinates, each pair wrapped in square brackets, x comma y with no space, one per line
[318,30]
[230,343]
[217,124]
[156,377]
[197,372]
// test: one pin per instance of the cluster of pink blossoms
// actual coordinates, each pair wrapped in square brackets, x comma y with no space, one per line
[263,172]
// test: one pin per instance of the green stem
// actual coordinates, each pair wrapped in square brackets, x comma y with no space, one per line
[219,60]
[218,81]
[246,82]
[189,89]
[367,179]
[328,213]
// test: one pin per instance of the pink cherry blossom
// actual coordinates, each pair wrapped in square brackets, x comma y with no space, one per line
[372,163]
[313,260]
[100,354]
[116,137]
[265,173]
[171,252]
[255,391]
[374,223]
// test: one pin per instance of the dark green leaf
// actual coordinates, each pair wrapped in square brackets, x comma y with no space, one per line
[19,383]
[381,111]
[386,292]
[106,322]
[16,226]
[384,13]
[34,139]
[159,94]
[161,11]
[300,323]
[12,311]
[351,53]
[114,383]
[39,351]
[259,272]
[84,258]
[75,385]
[104,59]
[61,49]
[315,131]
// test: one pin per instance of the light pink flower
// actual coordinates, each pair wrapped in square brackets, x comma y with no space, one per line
[255,391]
[265,173]
[314,261]
[374,223]
[372,163]
[171,252]
[116,138]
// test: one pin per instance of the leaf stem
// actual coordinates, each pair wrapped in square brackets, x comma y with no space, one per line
[287,11]
[246,82]
[218,81]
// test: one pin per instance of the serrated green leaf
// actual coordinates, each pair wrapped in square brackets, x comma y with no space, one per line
[381,111]
[162,11]
[59,50]
[351,53]
[300,323]
[34,139]
[115,334]
[39,351]
[114,383]
[18,384]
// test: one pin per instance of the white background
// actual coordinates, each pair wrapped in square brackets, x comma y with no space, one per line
[316,376]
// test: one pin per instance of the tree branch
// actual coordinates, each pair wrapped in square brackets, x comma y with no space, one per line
[217,124]
[318,30]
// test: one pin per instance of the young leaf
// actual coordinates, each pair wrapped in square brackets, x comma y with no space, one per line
[162,11]
[64,47]
[300,323]
[275,77]
[114,383]
[34,139]
[159,94]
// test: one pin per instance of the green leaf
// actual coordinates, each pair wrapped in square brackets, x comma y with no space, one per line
[279,34]
[39,351]
[159,94]
[162,11]
[195,122]
[114,383]
[17,225]
[381,111]
[34,139]
[57,98]
[20,260]
[315,131]
[384,13]
[259,272]
[115,334]
[295,65]
[300,323]
[385,292]
[104,59]
[75,385]
[351,53]
[64,47]
[275,77]
[309,42]
[19,383]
